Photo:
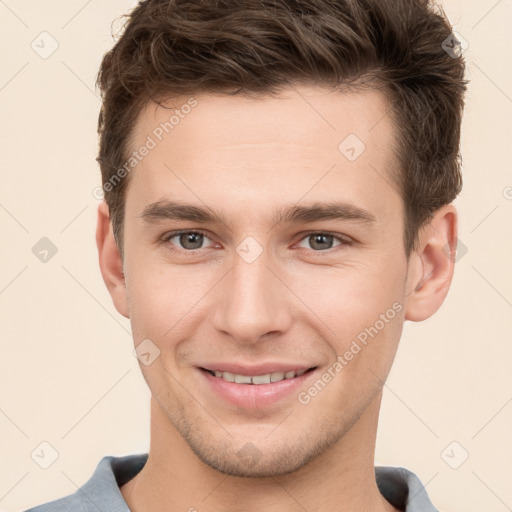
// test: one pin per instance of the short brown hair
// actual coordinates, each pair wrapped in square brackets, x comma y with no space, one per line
[181,47]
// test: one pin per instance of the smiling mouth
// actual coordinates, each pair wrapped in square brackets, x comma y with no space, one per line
[267,378]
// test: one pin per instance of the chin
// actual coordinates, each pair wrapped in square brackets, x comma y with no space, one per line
[263,457]
[257,464]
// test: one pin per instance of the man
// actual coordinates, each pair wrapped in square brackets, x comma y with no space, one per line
[278,181]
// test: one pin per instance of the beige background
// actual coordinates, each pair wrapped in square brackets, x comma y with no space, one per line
[68,375]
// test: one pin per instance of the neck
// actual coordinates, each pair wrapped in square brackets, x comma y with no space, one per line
[340,479]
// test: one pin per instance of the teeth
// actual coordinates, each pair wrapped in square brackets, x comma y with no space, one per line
[230,377]
[243,379]
[261,379]
[258,379]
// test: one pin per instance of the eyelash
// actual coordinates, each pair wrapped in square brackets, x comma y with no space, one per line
[167,237]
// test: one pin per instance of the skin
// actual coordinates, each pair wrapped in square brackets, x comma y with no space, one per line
[243,158]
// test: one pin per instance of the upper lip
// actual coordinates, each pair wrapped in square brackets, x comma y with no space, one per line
[256,369]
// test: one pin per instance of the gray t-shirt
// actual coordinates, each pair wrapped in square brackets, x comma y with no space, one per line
[399,486]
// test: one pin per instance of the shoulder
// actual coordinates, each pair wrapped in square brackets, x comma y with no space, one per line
[403,489]
[101,491]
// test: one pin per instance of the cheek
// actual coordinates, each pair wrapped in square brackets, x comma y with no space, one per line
[349,298]
[371,332]
[363,311]
[163,300]
[167,301]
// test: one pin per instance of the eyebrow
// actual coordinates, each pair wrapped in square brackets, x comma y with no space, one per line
[293,214]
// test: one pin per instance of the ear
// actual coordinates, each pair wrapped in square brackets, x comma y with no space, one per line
[111,263]
[431,266]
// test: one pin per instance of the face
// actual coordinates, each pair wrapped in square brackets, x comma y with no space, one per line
[296,262]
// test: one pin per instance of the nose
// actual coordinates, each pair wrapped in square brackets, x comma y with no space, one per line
[253,301]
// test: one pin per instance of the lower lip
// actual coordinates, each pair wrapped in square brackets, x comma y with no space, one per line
[255,396]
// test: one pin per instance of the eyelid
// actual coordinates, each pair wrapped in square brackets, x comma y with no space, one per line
[345,239]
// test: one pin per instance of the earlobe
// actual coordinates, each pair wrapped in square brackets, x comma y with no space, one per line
[111,264]
[432,265]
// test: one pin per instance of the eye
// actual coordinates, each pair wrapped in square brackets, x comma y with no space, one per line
[192,240]
[188,240]
[322,241]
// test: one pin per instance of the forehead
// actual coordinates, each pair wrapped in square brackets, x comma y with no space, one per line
[308,143]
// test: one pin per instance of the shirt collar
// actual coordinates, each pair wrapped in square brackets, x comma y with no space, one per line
[401,487]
